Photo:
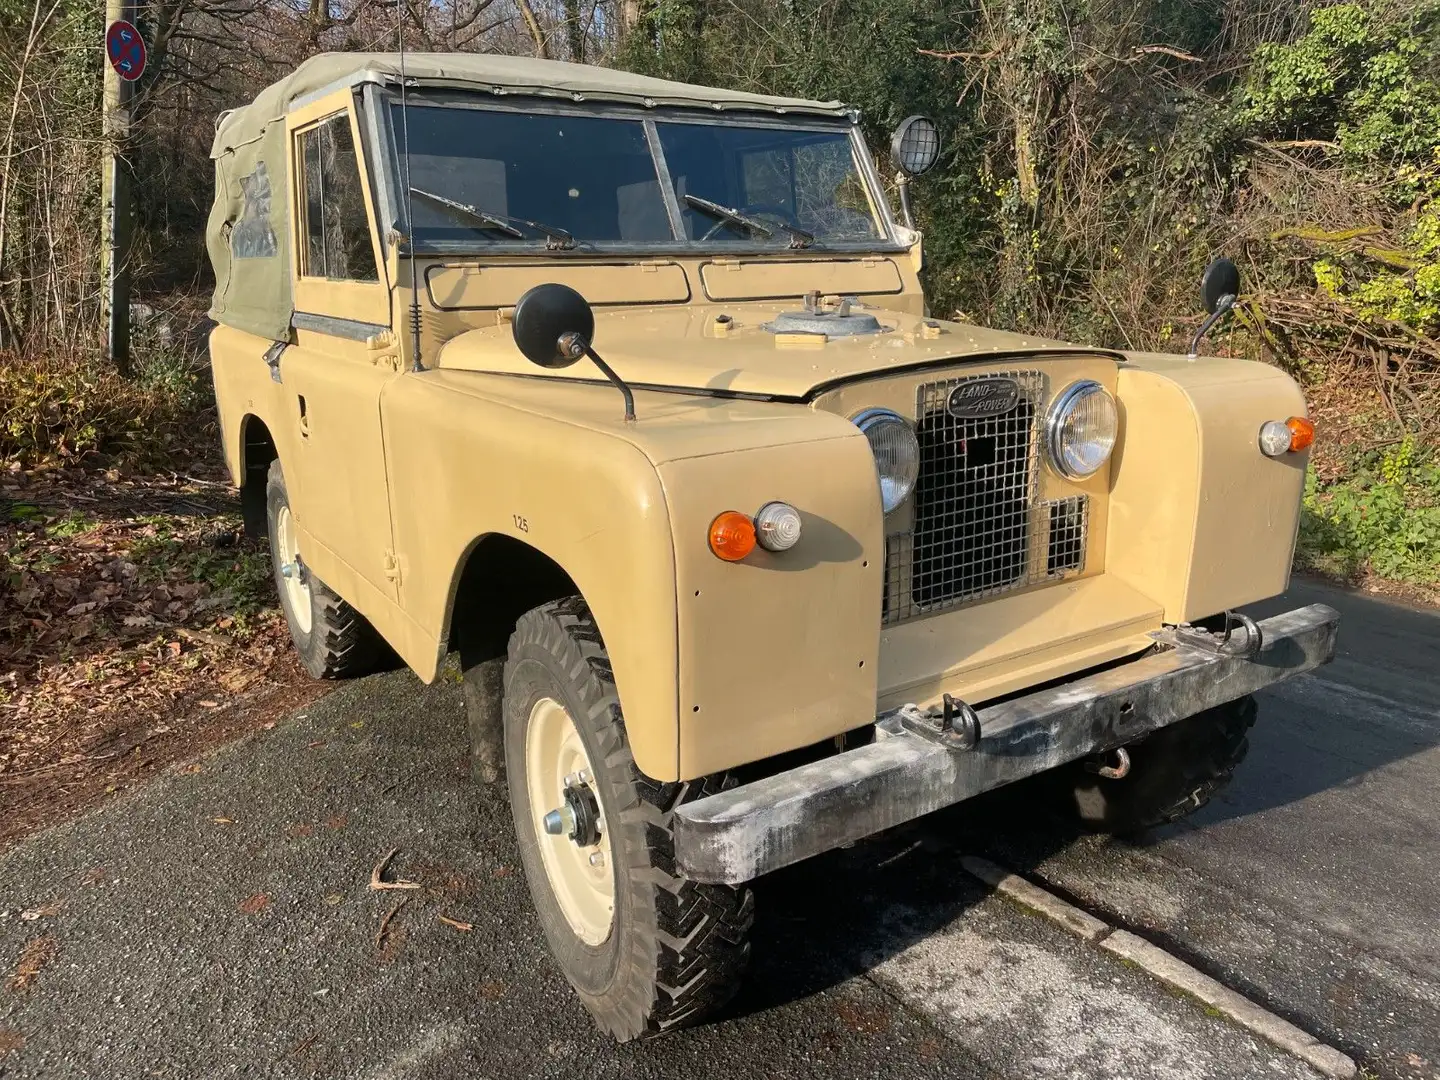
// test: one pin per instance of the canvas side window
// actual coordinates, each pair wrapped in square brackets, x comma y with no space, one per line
[337,234]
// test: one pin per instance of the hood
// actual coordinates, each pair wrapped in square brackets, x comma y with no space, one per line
[690,348]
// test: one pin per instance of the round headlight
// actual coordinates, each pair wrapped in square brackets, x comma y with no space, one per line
[1080,430]
[897,453]
[915,145]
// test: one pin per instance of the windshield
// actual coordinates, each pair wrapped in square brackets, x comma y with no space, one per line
[589,176]
[481,177]
[782,176]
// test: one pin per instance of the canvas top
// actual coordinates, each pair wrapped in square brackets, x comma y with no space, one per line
[498,74]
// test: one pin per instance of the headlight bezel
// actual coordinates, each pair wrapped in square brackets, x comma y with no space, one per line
[868,420]
[1061,409]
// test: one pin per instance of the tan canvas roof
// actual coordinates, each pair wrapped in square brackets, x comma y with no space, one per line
[506,74]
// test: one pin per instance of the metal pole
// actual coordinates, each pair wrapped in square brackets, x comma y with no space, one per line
[117,204]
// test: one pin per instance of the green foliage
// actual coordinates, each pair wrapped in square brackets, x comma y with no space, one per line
[1384,517]
[1363,75]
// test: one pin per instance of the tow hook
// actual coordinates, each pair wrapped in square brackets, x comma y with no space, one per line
[1099,764]
[957,727]
[1226,643]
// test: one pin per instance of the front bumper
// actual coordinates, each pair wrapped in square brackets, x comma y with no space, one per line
[750,830]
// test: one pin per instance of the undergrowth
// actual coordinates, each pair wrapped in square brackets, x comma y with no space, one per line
[59,410]
[1381,517]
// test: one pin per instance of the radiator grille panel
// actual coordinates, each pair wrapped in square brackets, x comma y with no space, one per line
[977,515]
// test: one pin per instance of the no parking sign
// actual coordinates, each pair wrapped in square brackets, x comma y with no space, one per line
[125,49]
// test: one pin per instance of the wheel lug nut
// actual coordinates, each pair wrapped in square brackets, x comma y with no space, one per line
[574,779]
[597,858]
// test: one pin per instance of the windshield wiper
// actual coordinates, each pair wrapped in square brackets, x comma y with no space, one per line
[799,238]
[557,239]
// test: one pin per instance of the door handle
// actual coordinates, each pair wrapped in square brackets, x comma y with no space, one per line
[304,419]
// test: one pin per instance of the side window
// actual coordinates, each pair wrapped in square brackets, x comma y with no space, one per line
[337,233]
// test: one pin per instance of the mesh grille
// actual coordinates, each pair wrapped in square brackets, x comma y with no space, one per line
[976,509]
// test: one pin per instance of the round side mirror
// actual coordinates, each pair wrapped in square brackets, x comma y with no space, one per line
[553,325]
[1222,278]
[915,145]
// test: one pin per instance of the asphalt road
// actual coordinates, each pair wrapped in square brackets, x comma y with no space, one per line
[219,922]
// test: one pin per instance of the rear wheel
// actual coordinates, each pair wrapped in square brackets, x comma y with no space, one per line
[646,949]
[1173,772]
[333,639]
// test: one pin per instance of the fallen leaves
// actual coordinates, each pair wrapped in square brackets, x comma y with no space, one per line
[253,905]
[492,990]
[456,923]
[37,953]
[10,1041]
[43,911]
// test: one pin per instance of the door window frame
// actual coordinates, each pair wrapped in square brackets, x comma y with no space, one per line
[358,301]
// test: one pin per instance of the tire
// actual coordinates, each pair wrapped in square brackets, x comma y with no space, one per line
[1173,772]
[333,639]
[674,950]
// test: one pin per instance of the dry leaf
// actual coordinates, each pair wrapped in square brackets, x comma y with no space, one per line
[44,911]
[223,821]
[253,905]
[10,1041]
[491,990]
[37,953]
[456,923]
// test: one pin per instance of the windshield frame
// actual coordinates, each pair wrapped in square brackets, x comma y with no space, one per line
[389,192]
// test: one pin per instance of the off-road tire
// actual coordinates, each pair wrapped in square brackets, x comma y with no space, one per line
[1173,772]
[676,949]
[341,643]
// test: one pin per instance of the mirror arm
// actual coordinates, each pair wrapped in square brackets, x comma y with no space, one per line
[619,382]
[1226,303]
[902,182]
[575,346]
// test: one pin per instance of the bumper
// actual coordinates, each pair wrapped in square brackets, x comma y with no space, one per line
[750,830]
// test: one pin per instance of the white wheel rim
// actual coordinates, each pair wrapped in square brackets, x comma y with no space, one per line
[582,884]
[297,593]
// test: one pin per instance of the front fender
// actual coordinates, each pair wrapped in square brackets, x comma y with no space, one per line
[461,466]
[716,663]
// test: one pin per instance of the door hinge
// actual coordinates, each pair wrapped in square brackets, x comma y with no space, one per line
[392,566]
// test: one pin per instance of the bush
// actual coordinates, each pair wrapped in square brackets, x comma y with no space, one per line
[1382,518]
[60,410]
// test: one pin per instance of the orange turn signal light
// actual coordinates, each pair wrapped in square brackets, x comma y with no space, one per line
[1302,432]
[732,536]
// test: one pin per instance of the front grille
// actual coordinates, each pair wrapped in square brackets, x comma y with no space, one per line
[976,507]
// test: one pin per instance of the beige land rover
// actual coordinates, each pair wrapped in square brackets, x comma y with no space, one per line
[625,391]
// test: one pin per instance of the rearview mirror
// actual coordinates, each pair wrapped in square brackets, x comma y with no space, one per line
[1219,287]
[553,325]
[1221,279]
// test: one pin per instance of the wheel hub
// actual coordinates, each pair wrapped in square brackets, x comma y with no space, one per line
[578,817]
[573,837]
[295,580]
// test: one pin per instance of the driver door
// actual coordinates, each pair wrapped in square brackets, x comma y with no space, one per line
[335,372]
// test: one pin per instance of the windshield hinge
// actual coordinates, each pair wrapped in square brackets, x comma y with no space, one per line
[392,566]
[651,266]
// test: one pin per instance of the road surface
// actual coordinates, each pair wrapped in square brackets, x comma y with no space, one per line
[220,923]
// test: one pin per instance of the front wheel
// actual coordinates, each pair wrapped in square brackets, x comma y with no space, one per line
[646,949]
[1173,772]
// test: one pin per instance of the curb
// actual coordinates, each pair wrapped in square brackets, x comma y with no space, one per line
[1167,968]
